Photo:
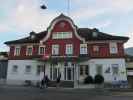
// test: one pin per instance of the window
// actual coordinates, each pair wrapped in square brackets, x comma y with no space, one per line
[55,49]
[113,48]
[95,34]
[29,50]
[27,69]
[81,70]
[115,69]
[69,49]
[96,48]
[62,35]
[15,69]
[83,48]
[41,50]
[17,51]
[40,68]
[84,70]
[99,69]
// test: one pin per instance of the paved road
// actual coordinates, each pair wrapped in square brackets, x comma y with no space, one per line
[29,93]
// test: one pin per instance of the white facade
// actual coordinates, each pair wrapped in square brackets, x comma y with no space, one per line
[20,76]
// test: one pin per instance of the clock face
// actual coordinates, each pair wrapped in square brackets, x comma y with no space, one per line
[62,24]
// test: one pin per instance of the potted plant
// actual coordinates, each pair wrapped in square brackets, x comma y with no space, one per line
[89,81]
[98,80]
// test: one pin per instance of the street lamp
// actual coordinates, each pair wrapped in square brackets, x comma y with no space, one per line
[43,6]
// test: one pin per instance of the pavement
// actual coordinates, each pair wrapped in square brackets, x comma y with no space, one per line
[33,93]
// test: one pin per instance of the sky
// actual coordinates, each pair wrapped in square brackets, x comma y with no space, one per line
[19,17]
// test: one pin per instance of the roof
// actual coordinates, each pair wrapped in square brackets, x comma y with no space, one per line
[38,37]
[88,35]
[83,32]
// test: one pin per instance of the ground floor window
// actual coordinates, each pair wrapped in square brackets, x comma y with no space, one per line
[54,72]
[115,69]
[84,70]
[40,68]
[15,69]
[27,69]
[68,73]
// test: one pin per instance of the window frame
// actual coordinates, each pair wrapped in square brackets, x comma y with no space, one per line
[62,35]
[56,49]
[28,72]
[39,52]
[69,51]
[83,49]
[113,47]
[115,66]
[95,48]
[27,50]
[13,67]
[15,51]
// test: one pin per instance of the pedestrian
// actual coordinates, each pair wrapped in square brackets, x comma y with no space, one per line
[58,81]
[46,81]
[42,83]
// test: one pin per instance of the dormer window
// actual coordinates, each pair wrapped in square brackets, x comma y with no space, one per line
[94,34]
[29,50]
[32,35]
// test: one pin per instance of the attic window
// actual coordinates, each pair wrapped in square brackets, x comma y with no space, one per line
[32,35]
[94,34]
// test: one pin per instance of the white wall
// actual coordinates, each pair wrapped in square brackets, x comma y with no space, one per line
[21,76]
[109,77]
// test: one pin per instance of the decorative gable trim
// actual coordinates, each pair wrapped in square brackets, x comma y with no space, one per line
[56,21]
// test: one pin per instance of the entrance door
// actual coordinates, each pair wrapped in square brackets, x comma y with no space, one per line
[69,72]
[54,72]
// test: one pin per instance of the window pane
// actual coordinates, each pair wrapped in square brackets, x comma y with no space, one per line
[55,49]
[62,35]
[83,48]
[113,47]
[15,68]
[69,49]
[87,70]
[42,50]
[115,69]
[96,48]
[81,70]
[17,51]
[28,69]
[29,51]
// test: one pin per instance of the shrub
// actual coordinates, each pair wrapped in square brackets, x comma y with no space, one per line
[99,79]
[88,80]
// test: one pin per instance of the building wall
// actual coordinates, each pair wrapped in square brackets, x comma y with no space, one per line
[20,76]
